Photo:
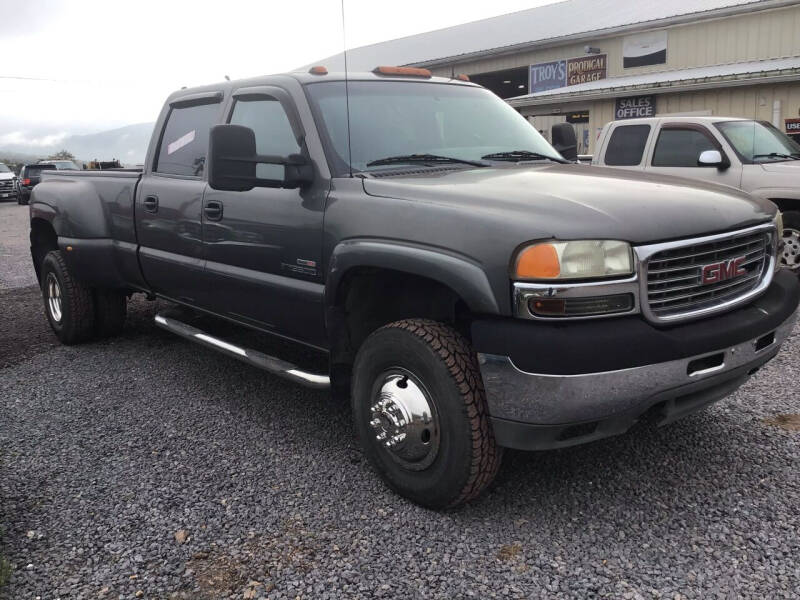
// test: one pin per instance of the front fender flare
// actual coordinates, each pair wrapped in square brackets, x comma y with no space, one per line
[462,275]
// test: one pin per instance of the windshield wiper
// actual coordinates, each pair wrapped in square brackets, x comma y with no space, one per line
[520,155]
[423,158]
[794,156]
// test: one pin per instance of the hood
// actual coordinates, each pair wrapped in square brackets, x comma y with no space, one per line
[578,201]
[4,176]
[786,167]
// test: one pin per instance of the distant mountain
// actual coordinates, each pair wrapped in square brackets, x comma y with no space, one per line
[127,144]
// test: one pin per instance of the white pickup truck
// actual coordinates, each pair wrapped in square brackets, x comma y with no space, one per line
[750,155]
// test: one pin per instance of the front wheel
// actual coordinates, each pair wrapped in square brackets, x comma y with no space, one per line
[790,257]
[420,412]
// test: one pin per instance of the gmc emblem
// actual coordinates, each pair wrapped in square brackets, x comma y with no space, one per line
[727,269]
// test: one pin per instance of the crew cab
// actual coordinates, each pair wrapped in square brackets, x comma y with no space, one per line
[749,155]
[462,283]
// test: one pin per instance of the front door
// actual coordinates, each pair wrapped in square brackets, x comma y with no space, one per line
[678,147]
[263,247]
[169,204]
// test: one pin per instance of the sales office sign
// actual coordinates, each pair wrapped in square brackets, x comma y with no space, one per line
[566,72]
[635,107]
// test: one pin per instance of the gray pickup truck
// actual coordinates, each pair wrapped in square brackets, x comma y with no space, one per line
[469,289]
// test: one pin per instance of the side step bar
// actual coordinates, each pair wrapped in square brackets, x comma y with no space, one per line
[258,359]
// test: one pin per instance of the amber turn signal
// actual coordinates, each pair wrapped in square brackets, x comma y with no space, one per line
[538,262]
[402,71]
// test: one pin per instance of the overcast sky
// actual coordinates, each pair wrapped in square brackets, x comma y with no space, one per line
[80,66]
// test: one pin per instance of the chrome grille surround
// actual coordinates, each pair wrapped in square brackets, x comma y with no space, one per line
[6,185]
[670,273]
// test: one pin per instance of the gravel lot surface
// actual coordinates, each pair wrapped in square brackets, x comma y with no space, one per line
[147,467]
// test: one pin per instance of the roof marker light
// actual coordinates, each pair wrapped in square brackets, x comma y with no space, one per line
[462,77]
[318,70]
[403,71]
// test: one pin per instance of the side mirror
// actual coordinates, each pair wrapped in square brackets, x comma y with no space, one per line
[712,158]
[564,140]
[232,160]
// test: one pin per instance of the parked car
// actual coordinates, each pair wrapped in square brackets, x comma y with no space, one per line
[29,177]
[61,165]
[8,184]
[469,288]
[750,155]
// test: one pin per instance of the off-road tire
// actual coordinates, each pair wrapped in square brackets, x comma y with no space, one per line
[110,310]
[77,303]
[468,457]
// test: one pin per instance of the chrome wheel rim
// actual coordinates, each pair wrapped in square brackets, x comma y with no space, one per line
[790,257]
[403,419]
[53,297]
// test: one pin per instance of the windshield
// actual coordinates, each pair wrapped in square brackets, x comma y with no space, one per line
[65,165]
[393,118]
[4,169]
[758,141]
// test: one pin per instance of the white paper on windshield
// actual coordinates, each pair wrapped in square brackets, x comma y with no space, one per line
[181,142]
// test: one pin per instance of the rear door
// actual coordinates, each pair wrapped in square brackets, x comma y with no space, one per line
[264,246]
[169,200]
[677,148]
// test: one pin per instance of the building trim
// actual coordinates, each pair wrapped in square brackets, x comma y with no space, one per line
[605,33]
[668,87]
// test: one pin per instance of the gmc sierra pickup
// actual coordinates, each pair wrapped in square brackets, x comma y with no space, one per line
[469,289]
[750,155]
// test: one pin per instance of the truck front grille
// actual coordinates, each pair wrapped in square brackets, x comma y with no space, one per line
[6,185]
[734,266]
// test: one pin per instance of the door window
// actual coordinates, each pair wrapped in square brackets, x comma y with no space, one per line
[184,143]
[274,135]
[626,146]
[680,147]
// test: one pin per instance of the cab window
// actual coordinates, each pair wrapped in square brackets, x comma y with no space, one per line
[626,146]
[274,135]
[678,147]
[184,143]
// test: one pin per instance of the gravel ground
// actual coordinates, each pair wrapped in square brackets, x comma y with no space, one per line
[15,253]
[147,467]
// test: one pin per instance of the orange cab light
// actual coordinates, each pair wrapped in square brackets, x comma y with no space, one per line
[538,262]
[462,77]
[403,71]
[318,70]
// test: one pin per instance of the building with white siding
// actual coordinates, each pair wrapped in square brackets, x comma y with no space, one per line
[591,61]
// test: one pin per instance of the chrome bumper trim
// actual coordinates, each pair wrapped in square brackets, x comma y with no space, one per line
[545,399]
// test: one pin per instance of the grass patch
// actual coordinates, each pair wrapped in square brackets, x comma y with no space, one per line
[5,571]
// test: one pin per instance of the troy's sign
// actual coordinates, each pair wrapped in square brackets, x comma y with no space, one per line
[727,269]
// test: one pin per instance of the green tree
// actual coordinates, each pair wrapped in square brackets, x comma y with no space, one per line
[62,155]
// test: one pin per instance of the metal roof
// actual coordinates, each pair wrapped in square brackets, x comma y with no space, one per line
[544,25]
[718,75]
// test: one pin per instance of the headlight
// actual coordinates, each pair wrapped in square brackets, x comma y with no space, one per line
[778,220]
[582,259]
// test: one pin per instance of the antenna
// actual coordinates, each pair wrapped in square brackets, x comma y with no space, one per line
[347,96]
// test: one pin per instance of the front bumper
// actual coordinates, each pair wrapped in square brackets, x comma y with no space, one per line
[562,406]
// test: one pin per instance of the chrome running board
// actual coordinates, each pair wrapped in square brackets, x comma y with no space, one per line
[252,357]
